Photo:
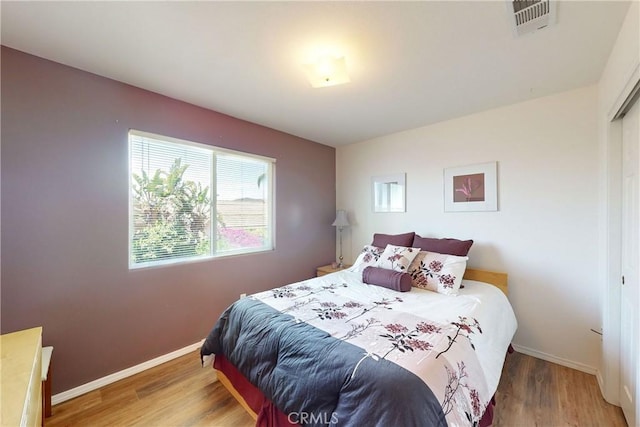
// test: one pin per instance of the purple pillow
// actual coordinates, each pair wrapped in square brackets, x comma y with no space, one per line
[390,279]
[382,240]
[442,246]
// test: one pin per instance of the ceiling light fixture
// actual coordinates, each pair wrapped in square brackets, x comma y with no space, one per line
[327,71]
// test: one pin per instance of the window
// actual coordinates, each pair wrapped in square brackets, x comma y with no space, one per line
[192,201]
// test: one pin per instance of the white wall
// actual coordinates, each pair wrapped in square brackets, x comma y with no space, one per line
[620,73]
[545,233]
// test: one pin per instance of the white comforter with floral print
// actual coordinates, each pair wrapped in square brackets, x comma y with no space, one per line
[455,344]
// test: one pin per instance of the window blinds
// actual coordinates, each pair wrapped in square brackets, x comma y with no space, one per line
[191,201]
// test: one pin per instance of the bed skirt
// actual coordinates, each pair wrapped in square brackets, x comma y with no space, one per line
[254,402]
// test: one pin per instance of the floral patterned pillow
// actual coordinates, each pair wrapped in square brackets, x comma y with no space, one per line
[368,257]
[438,272]
[397,258]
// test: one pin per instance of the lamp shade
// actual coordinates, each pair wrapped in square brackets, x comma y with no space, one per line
[341,219]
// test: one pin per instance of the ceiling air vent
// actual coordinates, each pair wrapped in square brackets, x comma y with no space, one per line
[528,16]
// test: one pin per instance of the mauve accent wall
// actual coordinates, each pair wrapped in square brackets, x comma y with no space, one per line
[65,225]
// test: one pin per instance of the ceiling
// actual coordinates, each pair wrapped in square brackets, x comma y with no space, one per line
[411,63]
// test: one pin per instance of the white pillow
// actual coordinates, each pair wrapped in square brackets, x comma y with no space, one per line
[397,258]
[368,257]
[438,272]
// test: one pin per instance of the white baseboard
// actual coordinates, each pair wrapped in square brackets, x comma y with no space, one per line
[116,376]
[555,359]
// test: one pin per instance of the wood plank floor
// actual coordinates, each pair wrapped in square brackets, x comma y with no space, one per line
[532,392]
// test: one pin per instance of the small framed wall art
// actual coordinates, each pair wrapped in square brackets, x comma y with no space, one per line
[471,188]
[388,193]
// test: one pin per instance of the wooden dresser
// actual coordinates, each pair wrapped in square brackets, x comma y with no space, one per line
[21,378]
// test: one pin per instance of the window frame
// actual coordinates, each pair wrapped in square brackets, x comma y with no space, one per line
[214,253]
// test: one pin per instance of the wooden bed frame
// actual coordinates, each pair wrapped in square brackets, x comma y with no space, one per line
[499,280]
[231,389]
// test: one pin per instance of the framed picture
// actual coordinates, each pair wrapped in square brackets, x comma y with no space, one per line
[471,188]
[388,193]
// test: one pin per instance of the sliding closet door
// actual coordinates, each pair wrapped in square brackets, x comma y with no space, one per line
[630,331]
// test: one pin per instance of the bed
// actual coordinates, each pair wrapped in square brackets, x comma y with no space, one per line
[335,350]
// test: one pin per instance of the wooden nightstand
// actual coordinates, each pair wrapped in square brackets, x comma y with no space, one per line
[326,269]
